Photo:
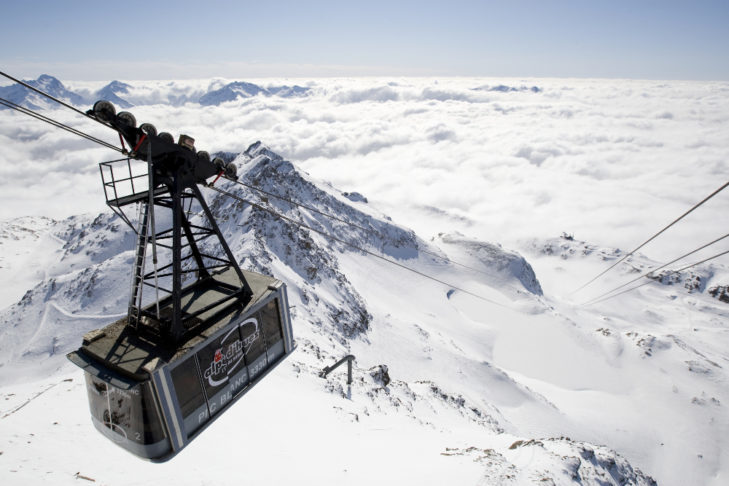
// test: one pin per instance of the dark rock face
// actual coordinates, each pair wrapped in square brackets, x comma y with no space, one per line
[380,374]
[720,292]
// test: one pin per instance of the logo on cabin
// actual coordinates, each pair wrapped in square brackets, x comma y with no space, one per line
[230,354]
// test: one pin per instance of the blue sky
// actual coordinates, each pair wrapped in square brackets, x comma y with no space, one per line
[186,39]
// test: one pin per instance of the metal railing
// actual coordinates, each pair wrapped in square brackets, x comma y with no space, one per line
[123,178]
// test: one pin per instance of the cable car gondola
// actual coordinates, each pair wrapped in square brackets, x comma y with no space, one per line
[153,398]
[158,377]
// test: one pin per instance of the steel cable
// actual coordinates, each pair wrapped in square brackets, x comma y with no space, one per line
[653,237]
[667,275]
[356,247]
[26,85]
[599,297]
[51,121]
[335,218]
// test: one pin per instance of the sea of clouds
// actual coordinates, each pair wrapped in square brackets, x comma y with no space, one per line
[503,160]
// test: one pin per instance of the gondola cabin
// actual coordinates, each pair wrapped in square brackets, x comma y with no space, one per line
[156,378]
[153,398]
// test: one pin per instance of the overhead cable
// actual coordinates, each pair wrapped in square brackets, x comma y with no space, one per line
[667,275]
[57,124]
[43,93]
[356,247]
[653,237]
[290,201]
[335,218]
[647,274]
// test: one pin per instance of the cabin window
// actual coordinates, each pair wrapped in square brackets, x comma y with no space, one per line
[187,386]
[271,324]
[130,413]
[254,345]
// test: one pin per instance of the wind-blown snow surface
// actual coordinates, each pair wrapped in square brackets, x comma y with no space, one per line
[448,388]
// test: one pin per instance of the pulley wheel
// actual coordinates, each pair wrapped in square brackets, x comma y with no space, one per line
[104,110]
[231,170]
[148,128]
[203,155]
[219,163]
[167,137]
[127,119]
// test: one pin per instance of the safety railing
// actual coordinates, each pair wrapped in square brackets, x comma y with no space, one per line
[125,180]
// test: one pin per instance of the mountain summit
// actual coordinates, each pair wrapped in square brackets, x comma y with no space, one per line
[241,90]
[111,93]
[21,95]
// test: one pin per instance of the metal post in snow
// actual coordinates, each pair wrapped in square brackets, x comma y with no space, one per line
[349,358]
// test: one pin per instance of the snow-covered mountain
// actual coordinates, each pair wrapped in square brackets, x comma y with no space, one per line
[124,95]
[502,88]
[23,96]
[241,90]
[48,84]
[112,91]
[520,388]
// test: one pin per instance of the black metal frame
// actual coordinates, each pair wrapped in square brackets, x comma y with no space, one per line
[174,190]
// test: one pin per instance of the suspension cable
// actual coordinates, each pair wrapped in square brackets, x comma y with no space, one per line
[352,245]
[656,269]
[55,123]
[653,237]
[335,218]
[23,83]
[294,203]
[667,275]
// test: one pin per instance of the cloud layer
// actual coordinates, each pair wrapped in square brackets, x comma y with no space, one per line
[498,159]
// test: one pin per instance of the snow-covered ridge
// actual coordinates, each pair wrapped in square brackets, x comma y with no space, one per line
[48,84]
[123,95]
[496,261]
[448,385]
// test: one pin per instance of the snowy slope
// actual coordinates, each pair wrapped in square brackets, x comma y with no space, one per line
[523,387]
[77,288]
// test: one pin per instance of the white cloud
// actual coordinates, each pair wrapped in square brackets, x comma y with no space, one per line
[610,161]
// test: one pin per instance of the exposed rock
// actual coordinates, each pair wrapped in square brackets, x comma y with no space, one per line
[555,461]
[720,292]
[380,374]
